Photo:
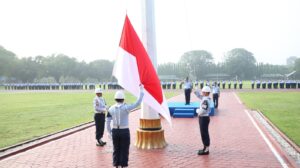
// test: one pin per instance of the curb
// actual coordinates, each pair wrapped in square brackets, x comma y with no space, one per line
[27,145]
[290,142]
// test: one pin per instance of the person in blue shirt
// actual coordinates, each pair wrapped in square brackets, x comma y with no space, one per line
[118,114]
[204,119]
[187,90]
[223,84]
[99,116]
[216,94]
[229,84]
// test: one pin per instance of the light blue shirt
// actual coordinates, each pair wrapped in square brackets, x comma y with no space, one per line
[99,105]
[187,85]
[120,112]
[205,105]
[215,90]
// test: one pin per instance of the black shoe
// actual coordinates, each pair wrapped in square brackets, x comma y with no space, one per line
[104,143]
[202,152]
[101,143]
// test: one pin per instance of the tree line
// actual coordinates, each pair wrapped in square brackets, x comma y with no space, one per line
[199,64]
[238,64]
[53,68]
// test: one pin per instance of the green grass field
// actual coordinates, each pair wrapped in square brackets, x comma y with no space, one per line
[25,116]
[282,109]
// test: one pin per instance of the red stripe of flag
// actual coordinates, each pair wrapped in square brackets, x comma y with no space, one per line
[131,43]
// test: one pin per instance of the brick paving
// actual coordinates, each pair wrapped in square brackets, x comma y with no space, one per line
[235,142]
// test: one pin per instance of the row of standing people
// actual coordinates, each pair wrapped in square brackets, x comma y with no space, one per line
[283,84]
[165,85]
[288,84]
[60,86]
[201,84]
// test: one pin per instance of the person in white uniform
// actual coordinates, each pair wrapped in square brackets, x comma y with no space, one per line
[99,116]
[118,114]
[204,119]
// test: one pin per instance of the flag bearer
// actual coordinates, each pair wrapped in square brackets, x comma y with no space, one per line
[120,134]
[204,119]
[99,116]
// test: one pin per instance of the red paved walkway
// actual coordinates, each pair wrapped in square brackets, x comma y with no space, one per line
[235,142]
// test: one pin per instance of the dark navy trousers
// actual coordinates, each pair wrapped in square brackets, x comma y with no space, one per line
[121,143]
[203,123]
[216,99]
[99,124]
[187,93]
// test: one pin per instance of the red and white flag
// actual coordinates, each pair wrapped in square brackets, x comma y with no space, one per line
[133,67]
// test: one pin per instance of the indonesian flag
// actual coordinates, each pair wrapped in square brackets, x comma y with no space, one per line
[134,67]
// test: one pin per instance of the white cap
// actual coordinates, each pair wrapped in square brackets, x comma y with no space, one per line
[206,89]
[119,95]
[98,90]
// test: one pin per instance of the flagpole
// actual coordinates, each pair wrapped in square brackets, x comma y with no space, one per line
[150,134]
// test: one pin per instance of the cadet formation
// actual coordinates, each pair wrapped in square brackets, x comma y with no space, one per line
[166,85]
[61,86]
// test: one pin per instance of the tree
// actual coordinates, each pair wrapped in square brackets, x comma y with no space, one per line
[167,69]
[59,65]
[101,70]
[290,61]
[262,69]
[45,80]
[28,69]
[197,63]
[240,63]
[8,62]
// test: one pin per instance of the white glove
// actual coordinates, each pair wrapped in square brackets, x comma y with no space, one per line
[199,112]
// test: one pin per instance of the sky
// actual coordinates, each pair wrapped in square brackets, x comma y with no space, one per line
[91,29]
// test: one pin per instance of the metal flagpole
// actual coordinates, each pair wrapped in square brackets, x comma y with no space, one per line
[150,134]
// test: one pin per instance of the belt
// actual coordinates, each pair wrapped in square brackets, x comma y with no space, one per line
[96,112]
[120,127]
